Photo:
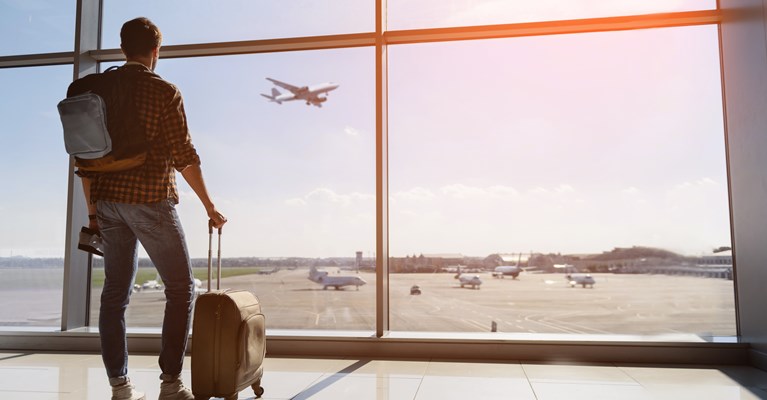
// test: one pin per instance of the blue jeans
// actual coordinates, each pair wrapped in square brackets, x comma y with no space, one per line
[158,228]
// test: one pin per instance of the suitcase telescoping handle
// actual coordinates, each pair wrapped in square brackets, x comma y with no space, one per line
[210,257]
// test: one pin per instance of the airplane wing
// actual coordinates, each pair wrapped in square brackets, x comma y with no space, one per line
[284,85]
[322,88]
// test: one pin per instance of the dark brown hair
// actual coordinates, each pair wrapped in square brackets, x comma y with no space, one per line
[139,37]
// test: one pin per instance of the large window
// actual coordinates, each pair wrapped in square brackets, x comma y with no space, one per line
[33,204]
[39,26]
[296,181]
[599,154]
[589,167]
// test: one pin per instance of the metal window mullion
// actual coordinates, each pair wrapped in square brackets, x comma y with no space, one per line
[382,175]
[36,60]
[251,46]
[75,296]
[587,25]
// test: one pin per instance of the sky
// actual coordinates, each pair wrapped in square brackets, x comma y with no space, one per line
[566,143]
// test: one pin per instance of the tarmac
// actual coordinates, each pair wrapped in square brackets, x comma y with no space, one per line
[532,303]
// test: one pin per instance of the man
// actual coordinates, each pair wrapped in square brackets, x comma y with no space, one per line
[138,205]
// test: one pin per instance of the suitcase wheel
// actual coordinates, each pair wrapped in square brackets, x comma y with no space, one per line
[257,389]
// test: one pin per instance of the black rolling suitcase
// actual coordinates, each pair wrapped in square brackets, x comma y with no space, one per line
[228,339]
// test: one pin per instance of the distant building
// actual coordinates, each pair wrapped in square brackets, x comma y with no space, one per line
[719,259]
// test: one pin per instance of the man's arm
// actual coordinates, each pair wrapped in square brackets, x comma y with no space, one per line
[193,176]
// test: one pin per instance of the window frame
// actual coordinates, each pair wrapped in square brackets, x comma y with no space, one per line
[88,54]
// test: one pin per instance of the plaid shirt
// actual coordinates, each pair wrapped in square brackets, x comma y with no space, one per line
[161,108]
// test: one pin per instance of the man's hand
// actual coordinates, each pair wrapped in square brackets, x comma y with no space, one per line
[216,217]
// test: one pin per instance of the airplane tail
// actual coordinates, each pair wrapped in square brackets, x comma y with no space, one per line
[274,95]
[315,275]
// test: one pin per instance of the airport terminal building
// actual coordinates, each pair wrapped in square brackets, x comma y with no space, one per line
[617,142]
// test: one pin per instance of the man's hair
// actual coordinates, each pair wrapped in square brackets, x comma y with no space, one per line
[139,37]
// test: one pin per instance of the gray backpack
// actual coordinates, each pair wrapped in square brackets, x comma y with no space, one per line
[102,129]
[84,119]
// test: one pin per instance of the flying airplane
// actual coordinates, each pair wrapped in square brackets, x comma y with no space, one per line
[468,279]
[309,94]
[503,270]
[580,279]
[337,282]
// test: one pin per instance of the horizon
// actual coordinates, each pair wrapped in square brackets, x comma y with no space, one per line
[417,254]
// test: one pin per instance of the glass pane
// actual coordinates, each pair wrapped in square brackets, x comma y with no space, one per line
[205,21]
[404,14]
[34,197]
[41,26]
[296,181]
[567,155]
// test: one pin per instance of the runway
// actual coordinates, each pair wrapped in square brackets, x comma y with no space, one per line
[533,303]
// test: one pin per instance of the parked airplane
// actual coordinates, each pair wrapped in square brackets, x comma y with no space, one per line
[580,279]
[503,270]
[309,94]
[265,271]
[326,280]
[150,284]
[198,286]
[468,279]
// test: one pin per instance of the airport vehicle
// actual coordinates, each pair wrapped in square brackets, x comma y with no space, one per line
[504,270]
[415,289]
[310,94]
[580,279]
[327,280]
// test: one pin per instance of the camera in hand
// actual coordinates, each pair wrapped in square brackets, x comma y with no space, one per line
[90,241]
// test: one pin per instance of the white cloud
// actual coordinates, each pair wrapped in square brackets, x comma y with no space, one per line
[500,190]
[295,202]
[563,188]
[351,131]
[706,182]
[631,191]
[328,196]
[461,191]
[415,194]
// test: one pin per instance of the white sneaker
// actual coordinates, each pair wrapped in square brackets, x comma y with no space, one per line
[172,388]
[123,390]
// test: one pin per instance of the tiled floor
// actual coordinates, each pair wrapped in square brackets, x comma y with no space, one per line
[81,377]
